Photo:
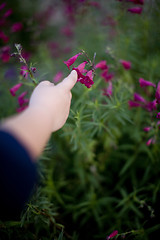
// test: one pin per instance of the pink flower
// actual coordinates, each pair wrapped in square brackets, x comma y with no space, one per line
[150,141]
[2,5]
[107,76]
[70,61]
[125,64]
[22,100]
[16,27]
[113,234]
[33,69]
[158,93]
[102,65]
[2,22]
[58,77]
[158,115]
[108,91]
[88,79]
[139,98]
[82,66]
[80,70]
[136,10]
[26,55]
[8,13]
[150,106]
[133,104]
[15,88]
[137,1]
[24,71]
[144,83]
[147,129]
[4,37]
[5,54]
[21,109]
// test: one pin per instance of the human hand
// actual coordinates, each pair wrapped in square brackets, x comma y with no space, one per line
[54,100]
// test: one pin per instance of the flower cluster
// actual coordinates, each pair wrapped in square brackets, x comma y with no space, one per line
[108,76]
[137,9]
[7,28]
[84,76]
[150,106]
[102,65]
[21,100]
[26,72]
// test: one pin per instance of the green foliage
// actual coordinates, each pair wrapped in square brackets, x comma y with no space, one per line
[97,174]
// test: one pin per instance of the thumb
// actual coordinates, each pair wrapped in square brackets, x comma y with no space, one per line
[69,82]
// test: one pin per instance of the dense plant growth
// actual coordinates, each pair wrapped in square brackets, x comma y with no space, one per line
[99,176]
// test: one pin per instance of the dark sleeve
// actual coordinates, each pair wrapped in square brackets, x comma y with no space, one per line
[17,176]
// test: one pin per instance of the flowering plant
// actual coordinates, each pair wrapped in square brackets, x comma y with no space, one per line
[99,175]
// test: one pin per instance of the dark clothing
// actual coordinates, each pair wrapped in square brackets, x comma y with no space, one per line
[17,176]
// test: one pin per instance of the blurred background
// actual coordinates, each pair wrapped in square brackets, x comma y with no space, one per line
[101,171]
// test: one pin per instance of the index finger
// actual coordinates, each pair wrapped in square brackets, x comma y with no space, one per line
[69,82]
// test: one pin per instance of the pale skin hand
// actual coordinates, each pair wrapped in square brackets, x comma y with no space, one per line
[47,112]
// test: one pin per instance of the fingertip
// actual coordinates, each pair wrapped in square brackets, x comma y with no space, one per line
[72,79]
[45,82]
[74,75]
[69,81]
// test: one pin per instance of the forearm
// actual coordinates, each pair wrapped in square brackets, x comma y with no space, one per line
[32,127]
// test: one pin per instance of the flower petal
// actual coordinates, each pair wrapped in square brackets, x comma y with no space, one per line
[125,64]
[70,61]
[102,65]
[15,88]
[135,10]
[144,83]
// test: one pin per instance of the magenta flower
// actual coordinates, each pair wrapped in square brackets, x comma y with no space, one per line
[113,234]
[139,98]
[70,61]
[24,71]
[147,129]
[150,106]
[4,38]
[87,80]
[102,65]
[80,70]
[2,5]
[150,141]
[108,91]
[22,100]
[26,55]
[5,54]
[58,77]
[15,88]
[132,104]
[21,109]
[137,1]
[144,83]
[135,10]
[8,13]
[81,67]
[158,115]
[125,64]
[16,27]
[158,93]
[33,69]
[107,76]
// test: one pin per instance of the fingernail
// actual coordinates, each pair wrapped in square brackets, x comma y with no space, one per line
[74,73]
